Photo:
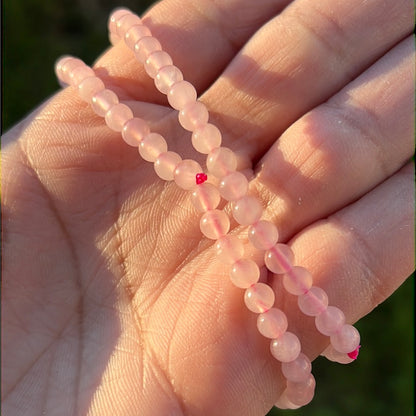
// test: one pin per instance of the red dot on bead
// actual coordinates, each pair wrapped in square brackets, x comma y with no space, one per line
[201,178]
[354,354]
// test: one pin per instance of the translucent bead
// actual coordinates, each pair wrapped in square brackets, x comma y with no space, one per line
[102,101]
[272,324]
[206,138]
[125,22]
[134,131]
[185,174]
[165,165]
[152,146]
[285,348]
[89,87]
[313,302]
[263,235]
[65,66]
[284,403]
[166,77]
[135,33]
[330,320]
[145,46]
[117,116]
[60,62]
[301,393]
[297,281]
[233,186]
[244,273]
[247,210]
[214,224]
[155,61]
[279,259]
[229,249]
[297,370]
[221,161]
[193,115]
[347,339]
[259,298]
[180,94]
[115,16]
[205,197]
[332,354]
[79,74]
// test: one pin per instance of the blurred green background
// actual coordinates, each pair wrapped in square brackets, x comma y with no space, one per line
[36,33]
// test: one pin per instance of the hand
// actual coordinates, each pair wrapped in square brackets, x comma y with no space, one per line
[113,302]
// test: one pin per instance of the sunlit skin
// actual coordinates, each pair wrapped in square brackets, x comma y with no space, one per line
[113,302]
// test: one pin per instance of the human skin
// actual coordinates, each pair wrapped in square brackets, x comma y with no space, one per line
[113,302]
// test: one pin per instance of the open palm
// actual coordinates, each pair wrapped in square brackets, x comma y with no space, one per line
[113,301]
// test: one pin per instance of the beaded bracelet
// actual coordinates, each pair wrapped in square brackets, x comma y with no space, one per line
[215,224]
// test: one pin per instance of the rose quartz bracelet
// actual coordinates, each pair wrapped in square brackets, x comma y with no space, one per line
[215,224]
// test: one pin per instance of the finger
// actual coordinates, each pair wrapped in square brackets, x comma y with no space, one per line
[343,148]
[298,60]
[202,37]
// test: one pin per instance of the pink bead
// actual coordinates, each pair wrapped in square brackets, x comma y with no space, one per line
[165,165]
[297,370]
[214,224]
[272,324]
[247,210]
[115,16]
[156,61]
[347,339]
[263,235]
[233,186]
[66,67]
[229,249]
[185,174]
[59,66]
[332,354]
[285,348]
[134,131]
[284,403]
[194,115]
[114,38]
[206,138]
[134,34]
[313,302]
[181,94]
[166,77]
[301,393]
[259,298]
[205,197]
[89,87]
[145,46]
[244,273]
[79,74]
[279,259]
[221,161]
[102,101]
[117,116]
[152,146]
[125,22]
[297,281]
[330,320]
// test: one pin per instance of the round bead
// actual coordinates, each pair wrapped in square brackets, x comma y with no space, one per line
[125,22]
[221,161]
[214,224]
[206,138]
[284,403]
[279,259]
[134,131]
[165,165]
[233,186]
[152,146]
[297,370]
[185,174]
[263,235]
[166,77]
[180,94]
[229,249]
[115,16]
[259,298]
[205,197]
[156,61]
[247,210]
[117,116]
[297,281]
[65,66]
[59,64]
[193,115]
[272,324]
[89,87]
[330,320]
[301,393]
[79,74]
[347,339]
[332,354]
[313,302]
[244,273]
[102,101]
[145,46]
[285,348]
[135,33]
